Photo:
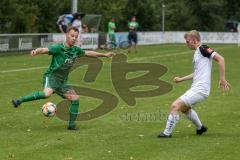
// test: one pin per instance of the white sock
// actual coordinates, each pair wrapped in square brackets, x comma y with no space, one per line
[171,123]
[192,116]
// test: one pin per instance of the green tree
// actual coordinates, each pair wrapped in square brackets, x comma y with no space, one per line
[147,13]
[49,12]
[18,16]
[232,9]
[206,15]
[30,16]
[108,9]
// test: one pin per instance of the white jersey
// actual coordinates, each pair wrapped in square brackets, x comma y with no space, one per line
[202,62]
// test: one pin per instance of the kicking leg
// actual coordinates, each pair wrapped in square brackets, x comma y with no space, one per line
[34,96]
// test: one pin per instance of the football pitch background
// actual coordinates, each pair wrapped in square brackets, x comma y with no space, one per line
[126,132]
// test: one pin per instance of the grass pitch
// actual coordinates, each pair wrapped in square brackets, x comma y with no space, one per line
[126,133]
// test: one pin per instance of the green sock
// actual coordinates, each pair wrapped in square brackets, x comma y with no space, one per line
[73,112]
[33,96]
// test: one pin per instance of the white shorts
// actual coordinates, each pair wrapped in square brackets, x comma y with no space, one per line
[192,97]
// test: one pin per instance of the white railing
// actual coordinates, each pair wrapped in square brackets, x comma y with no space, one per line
[178,37]
[21,42]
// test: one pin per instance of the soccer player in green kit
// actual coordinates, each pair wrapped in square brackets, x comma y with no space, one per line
[111,30]
[55,78]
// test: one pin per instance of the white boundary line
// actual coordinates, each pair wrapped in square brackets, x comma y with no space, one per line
[23,69]
[44,67]
[18,82]
[160,56]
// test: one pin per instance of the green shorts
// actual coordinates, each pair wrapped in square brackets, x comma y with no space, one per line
[59,86]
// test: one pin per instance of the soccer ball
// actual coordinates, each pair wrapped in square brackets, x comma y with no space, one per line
[49,109]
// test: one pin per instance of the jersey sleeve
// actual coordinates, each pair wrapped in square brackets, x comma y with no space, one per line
[207,51]
[54,49]
[80,52]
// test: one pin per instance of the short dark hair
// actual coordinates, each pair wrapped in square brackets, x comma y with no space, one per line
[73,28]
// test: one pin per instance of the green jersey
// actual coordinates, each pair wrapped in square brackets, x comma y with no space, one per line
[111,27]
[133,24]
[62,60]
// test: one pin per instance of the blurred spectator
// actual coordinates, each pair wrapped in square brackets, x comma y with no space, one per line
[77,21]
[94,29]
[111,30]
[238,28]
[132,35]
[232,25]
[85,28]
[62,24]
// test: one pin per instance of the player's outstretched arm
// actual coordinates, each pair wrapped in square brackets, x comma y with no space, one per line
[98,54]
[223,83]
[180,79]
[39,51]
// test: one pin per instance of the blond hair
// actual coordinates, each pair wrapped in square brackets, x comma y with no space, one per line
[193,34]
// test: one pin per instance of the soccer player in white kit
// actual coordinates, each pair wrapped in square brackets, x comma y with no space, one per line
[200,89]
